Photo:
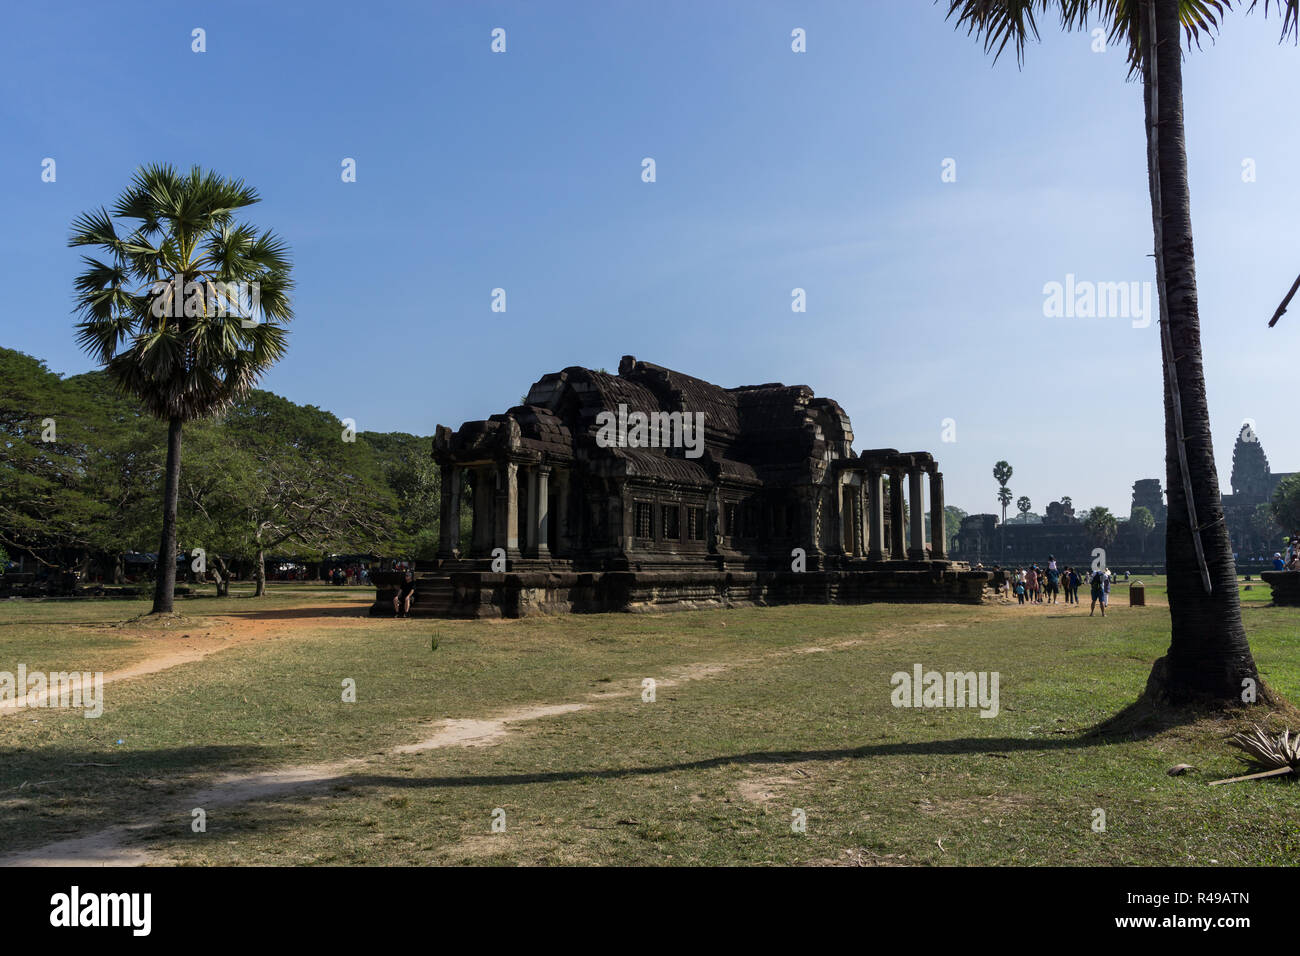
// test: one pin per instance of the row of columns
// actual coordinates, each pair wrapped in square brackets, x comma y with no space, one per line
[495,506]
[898,547]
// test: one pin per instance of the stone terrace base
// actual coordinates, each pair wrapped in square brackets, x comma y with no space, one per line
[1285,585]
[478,594]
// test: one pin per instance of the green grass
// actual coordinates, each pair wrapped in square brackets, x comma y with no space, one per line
[710,772]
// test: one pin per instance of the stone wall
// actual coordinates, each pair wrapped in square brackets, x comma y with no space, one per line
[1285,585]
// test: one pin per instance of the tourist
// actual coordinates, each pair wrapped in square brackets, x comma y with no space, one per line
[1031,583]
[1053,579]
[1100,591]
[1278,563]
[406,594]
[1020,588]
[1074,582]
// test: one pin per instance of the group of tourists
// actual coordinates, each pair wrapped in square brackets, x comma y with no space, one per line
[349,574]
[1292,560]
[1045,584]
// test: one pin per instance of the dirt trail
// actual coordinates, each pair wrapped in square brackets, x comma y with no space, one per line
[105,847]
[219,632]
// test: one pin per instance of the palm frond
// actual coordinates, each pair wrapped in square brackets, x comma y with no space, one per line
[1289,10]
[1003,22]
[156,311]
[1270,751]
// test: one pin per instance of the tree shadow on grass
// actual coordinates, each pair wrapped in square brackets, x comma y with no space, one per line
[962,746]
[52,793]
[159,783]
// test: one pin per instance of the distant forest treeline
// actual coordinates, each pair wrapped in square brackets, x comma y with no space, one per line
[81,470]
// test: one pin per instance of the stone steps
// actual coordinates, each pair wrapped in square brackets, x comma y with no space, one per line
[433,595]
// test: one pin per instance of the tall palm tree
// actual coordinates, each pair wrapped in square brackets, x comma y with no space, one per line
[183,308]
[1208,657]
[1004,499]
[1002,474]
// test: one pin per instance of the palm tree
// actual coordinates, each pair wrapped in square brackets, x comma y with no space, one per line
[1208,659]
[183,309]
[1023,505]
[1002,474]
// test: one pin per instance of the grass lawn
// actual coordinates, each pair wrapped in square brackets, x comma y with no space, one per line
[757,713]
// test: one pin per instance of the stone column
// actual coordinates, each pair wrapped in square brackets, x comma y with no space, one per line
[860,522]
[507,510]
[449,513]
[812,499]
[876,515]
[457,478]
[842,543]
[530,529]
[914,494]
[483,512]
[897,549]
[855,520]
[938,530]
[543,512]
[444,513]
[560,518]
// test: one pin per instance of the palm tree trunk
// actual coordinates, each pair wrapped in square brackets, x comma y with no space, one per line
[165,588]
[1208,656]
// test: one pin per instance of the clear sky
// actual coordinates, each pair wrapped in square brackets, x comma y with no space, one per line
[522,170]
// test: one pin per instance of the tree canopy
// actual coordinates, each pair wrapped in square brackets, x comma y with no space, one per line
[80,469]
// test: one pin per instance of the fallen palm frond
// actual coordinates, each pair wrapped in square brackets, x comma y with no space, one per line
[1279,754]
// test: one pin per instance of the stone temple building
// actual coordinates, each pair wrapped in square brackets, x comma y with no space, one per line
[651,489]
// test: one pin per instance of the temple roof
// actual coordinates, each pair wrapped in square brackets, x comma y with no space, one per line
[752,433]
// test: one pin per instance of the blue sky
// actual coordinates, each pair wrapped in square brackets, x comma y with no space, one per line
[775,170]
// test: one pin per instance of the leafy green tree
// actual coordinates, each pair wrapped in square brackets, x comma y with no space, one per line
[1264,529]
[1209,658]
[416,483]
[1143,522]
[952,519]
[47,509]
[1102,526]
[1285,505]
[183,308]
[286,475]
[1023,505]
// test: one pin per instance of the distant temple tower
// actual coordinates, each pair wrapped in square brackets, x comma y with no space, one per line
[1147,494]
[1253,484]
[1251,476]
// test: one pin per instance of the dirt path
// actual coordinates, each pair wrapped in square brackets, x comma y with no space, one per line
[106,847]
[218,632]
